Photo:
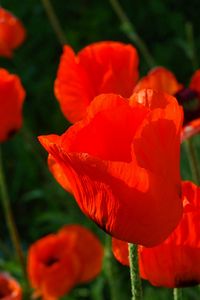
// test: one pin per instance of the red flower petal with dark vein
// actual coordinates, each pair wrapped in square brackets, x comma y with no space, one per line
[104,67]
[9,288]
[11,101]
[58,262]
[160,79]
[122,163]
[12,33]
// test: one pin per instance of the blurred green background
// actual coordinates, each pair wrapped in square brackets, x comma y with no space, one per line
[39,204]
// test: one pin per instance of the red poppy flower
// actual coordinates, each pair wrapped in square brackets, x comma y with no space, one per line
[9,288]
[58,262]
[12,33]
[104,67]
[11,101]
[162,79]
[122,164]
[175,262]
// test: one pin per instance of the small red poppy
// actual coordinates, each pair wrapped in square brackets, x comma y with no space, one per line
[162,79]
[12,33]
[121,163]
[175,262]
[12,95]
[9,288]
[103,67]
[58,262]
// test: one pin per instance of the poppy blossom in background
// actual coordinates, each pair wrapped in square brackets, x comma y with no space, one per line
[12,95]
[121,162]
[164,80]
[175,262]
[12,33]
[9,288]
[103,67]
[58,262]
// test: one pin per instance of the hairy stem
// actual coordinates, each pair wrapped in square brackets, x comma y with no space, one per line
[136,285]
[178,293]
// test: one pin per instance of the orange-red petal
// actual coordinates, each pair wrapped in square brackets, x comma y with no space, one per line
[12,33]
[11,101]
[120,251]
[88,250]
[160,79]
[58,262]
[195,82]
[175,262]
[104,67]
[9,288]
[49,258]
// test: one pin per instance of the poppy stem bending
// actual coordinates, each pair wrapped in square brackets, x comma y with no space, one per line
[178,293]
[194,164]
[10,219]
[54,22]
[136,285]
[130,32]
[109,262]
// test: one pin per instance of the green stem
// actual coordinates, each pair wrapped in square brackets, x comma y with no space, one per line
[10,219]
[54,22]
[194,164]
[178,293]
[136,285]
[131,33]
[109,269]
[191,44]
[33,146]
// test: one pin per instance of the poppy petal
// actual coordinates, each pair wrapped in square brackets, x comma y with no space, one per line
[160,79]
[195,82]
[50,258]
[9,287]
[120,251]
[12,98]
[111,66]
[175,261]
[104,67]
[72,87]
[91,257]
[12,33]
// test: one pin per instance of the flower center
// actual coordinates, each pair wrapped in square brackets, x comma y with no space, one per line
[51,261]
[191,104]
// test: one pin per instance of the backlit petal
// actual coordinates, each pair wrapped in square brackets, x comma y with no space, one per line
[160,79]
